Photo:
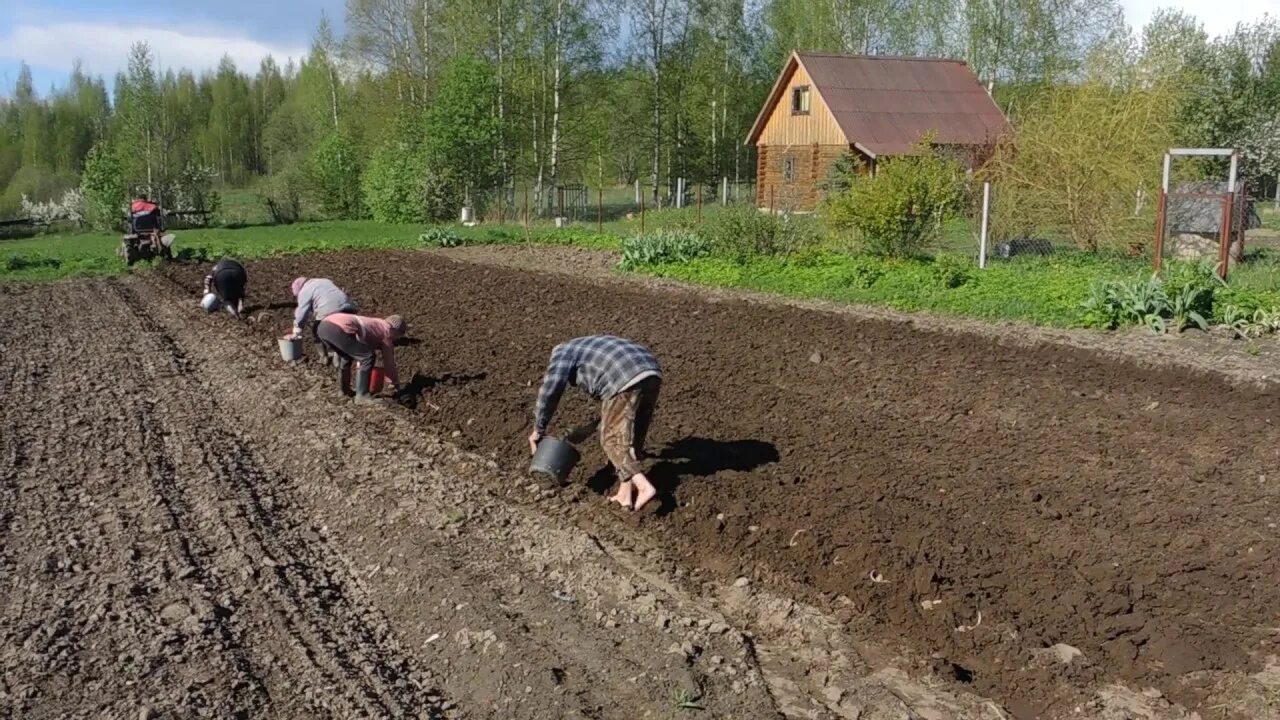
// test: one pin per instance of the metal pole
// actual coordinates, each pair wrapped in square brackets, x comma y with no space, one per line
[641,214]
[1224,242]
[600,210]
[986,211]
[724,192]
[1157,257]
[638,192]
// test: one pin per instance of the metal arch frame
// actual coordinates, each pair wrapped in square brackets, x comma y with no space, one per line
[1228,203]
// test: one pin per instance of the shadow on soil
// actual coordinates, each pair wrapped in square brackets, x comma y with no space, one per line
[412,393]
[693,457]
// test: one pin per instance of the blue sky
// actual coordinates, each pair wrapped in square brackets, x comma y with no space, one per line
[51,34]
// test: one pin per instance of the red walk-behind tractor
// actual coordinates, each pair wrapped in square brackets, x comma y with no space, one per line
[144,238]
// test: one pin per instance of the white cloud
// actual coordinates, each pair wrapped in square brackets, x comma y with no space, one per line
[104,47]
[1219,18]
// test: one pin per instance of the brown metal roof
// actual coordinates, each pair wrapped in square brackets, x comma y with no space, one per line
[884,105]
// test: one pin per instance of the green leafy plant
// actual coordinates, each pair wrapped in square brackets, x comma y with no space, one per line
[104,188]
[900,210]
[1245,323]
[744,233]
[861,273]
[685,699]
[1137,302]
[950,271]
[662,246]
[333,176]
[441,237]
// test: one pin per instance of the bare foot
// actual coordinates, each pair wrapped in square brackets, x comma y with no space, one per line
[623,496]
[644,490]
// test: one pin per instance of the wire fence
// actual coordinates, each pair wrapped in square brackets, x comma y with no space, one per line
[579,203]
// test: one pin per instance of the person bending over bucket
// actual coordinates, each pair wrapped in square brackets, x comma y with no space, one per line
[318,298]
[360,339]
[626,377]
[228,284]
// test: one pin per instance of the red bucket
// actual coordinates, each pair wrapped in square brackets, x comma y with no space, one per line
[376,379]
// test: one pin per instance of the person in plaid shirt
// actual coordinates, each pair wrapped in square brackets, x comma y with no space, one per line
[626,377]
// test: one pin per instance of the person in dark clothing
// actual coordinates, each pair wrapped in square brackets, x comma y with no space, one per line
[626,377]
[229,282]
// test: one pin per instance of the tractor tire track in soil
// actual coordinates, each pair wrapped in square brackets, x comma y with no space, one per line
[1012,499]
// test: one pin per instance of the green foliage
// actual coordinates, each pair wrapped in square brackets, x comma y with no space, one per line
[282,194]
[1079,156]
[442,194]
[1250,322]
[951,271]
[441,237]
[900,210]
[744,233]
[393,188]
[461,129]
[662,246]
[333,175]
[103,187]
[1183,298]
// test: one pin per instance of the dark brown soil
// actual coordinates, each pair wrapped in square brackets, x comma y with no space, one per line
[1032,496]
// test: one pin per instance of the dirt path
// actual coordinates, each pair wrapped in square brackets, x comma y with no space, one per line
[1016,500]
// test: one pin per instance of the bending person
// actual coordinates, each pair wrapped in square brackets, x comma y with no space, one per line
[229,283]
[318,298]
[359,339]
[626,377]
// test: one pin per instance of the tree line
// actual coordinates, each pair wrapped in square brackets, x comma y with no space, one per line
[425,105]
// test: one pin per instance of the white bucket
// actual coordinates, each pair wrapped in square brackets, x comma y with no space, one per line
[290,348]
[210,302]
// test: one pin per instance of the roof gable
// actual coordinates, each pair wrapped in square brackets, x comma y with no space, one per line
[884,105]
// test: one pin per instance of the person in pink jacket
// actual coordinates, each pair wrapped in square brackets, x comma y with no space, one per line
[358,338]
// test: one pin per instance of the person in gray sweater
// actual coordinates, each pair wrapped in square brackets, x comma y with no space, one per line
[318,298]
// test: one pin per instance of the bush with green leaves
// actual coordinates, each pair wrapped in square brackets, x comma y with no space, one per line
[104,188]
[333,176]
[393,184]
[671,245]
[441,237]
[744,233]
[899,211]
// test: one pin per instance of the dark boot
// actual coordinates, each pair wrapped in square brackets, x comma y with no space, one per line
[344,378]
[363,396]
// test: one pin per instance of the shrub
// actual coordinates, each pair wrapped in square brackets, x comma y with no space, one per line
[333,176]
[1080,154]
[1250,323]
[104,188]
[441,237]
[900,210]
[442,194]
[282,194]
[393,184]
[743,233]
[69,209]
[662,246]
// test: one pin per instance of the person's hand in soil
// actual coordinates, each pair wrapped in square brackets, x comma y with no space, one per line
[534,437]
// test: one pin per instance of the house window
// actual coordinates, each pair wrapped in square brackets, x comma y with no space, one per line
[788,169]
[800,100]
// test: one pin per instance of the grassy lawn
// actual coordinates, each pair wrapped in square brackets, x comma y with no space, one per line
[1039,290]
[1045,291]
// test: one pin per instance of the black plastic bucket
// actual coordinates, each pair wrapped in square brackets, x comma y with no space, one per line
[555,458]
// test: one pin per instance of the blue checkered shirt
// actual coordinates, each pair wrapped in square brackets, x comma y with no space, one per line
[602,365]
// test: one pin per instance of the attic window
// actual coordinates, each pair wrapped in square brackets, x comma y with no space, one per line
[800,100]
